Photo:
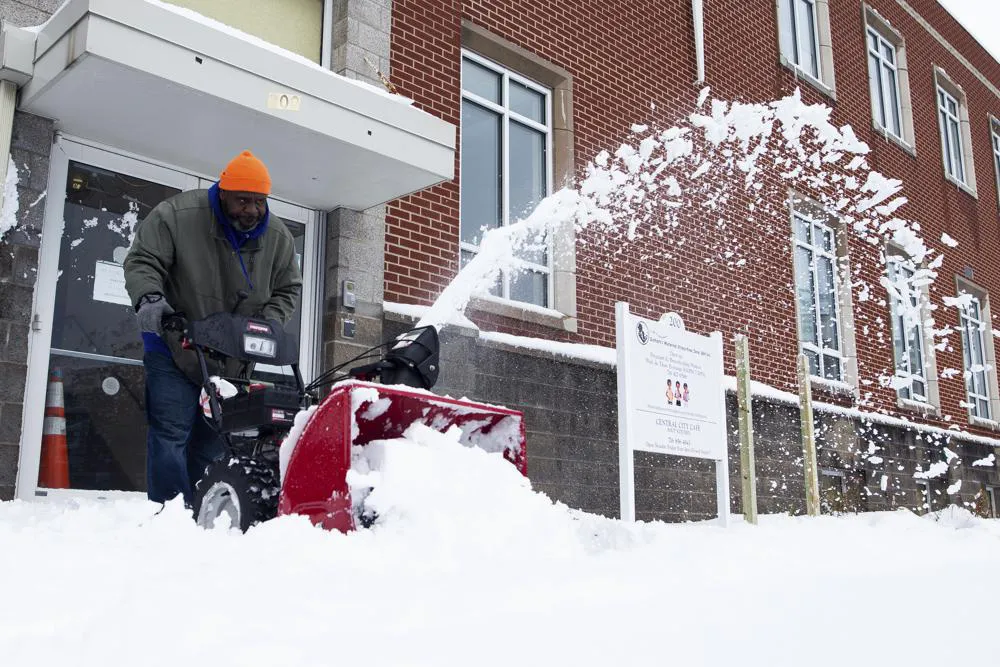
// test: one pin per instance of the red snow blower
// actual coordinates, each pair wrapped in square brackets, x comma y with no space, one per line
[266,472]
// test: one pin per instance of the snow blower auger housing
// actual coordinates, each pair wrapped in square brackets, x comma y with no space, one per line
[265,471]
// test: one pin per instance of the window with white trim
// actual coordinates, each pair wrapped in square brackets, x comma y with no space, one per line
[817,295]
[800,35]
[951,135]
[883,79]
[907,332]
[975,338]
[506,166]
[805,40]
[995,141]
[956,136]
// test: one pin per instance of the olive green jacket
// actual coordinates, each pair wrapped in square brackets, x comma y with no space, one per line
[181,251]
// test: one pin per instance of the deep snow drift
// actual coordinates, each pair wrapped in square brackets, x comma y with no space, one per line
[469,566]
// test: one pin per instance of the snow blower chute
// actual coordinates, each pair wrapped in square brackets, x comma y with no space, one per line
[271,468]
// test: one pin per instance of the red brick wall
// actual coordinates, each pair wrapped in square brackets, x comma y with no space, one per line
[625,55]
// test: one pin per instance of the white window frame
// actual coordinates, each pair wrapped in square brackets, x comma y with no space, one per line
[955,133]
[884,102]
[930,401]
[995,143]
[821,46]
[951,135]
[503,109]
[968,326]
[818,251]
[876,26]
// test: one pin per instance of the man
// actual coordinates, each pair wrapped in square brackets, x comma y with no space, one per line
[195,253]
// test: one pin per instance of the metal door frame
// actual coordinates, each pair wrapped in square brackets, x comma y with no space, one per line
[64,149]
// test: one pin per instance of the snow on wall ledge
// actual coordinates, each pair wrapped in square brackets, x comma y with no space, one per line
[607,356]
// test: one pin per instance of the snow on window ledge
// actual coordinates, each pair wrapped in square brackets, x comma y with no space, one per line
[527,312]
[964,187]
[924,408]
[892,138]
[803,75]
[832,386]
[991,424]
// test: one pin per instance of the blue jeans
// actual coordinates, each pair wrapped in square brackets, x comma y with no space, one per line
[180,442]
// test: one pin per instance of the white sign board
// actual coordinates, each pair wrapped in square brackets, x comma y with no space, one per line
[671,398]
[109,283]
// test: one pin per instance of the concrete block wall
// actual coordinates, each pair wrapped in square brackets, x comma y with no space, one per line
[30,146]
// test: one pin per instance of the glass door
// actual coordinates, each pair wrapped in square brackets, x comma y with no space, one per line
[86,348]
[85,342]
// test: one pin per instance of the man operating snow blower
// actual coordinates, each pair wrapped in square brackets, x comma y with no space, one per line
[197,253]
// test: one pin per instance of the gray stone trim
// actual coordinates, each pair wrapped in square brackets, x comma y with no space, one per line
[355,240]
[31,143]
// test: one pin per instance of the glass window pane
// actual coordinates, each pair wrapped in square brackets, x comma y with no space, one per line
[801,229]
[905,393]
[480,171]
[916,353]
[813,359]
[527,102]
[892,94]
[956,142]
[827,303]
[827,237]
[527,170]
[831,367]
[535,252]
[806,30]
[977,348]
[888,52]
[805,291]
[481,81]
[898,346]
[984,408]
[875,84]
[919,389]
[530,287]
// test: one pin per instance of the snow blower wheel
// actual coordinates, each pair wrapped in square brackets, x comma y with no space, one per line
[240,491]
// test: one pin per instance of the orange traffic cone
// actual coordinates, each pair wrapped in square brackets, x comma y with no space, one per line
[53,473]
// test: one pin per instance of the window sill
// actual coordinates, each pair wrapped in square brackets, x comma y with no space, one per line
[833,387]
[961,186]
[984,423]
[925,409]
[545,317]
[800,73]
[892,138]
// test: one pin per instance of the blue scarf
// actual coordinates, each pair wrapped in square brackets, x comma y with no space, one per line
[237,238]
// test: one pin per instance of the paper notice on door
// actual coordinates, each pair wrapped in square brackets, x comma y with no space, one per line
[109,283]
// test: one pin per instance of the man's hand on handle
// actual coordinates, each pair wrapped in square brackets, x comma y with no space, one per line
[152,309]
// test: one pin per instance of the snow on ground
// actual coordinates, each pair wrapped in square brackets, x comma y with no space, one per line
[469,566]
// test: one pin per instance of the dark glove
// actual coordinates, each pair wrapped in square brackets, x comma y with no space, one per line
[151,311]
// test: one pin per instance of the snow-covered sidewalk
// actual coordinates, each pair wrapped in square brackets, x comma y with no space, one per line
[468,566]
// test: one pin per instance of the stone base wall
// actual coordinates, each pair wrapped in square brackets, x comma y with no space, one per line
[570,408]
[31,143]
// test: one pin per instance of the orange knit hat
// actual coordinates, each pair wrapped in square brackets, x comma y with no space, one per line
[245,173]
